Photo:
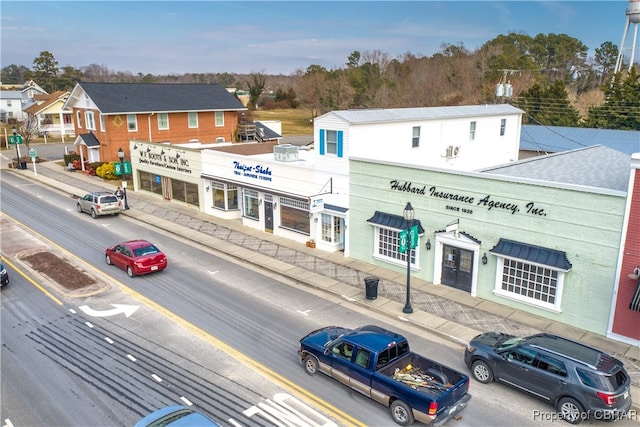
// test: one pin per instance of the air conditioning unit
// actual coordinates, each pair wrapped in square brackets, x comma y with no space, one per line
[449,151]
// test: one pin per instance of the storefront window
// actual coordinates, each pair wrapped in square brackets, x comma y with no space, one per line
[294,215]
[150,182]
[225,196]
[251,204]
[535,283]
[331,231]
[185,192]
[388,244]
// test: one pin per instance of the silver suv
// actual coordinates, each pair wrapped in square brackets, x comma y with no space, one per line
[99,203]
[580,381]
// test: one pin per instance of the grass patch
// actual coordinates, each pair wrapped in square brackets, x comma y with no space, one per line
[295,121]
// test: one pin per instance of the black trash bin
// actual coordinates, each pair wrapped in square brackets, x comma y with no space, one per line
[371,287]
[22,165]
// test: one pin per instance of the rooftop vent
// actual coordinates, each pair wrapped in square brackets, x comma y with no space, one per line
[285,152]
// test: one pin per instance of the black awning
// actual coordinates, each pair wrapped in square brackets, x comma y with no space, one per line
[335,208]
[393,221]
[532,253]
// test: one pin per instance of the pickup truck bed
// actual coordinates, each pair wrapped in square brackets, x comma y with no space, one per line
[378,363]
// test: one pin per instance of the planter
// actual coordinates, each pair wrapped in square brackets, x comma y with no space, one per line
[312,244]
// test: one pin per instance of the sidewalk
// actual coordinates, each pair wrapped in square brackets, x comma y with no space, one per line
[438,309]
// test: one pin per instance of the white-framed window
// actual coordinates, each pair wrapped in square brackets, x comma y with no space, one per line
[219,118]
[193,119]
[534,284]
[332,142]
[132,122]
[89,119]
[294,215]
[225,196]
[103,128]
[8,103]
[250,204]
[331,231]
[503,126]
[415,141]
[163,121]
[79,118]
[387,245]
[472,131]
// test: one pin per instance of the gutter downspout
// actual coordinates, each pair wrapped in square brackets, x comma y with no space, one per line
[149,123]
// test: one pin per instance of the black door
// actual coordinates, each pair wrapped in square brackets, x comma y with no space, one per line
[268,217]
[457,267]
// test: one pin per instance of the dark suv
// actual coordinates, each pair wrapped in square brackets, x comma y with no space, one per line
[580,381]
[99,203]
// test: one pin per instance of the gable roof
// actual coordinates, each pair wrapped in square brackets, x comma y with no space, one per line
[596,166]
[120,98]
[385,115]
[47,100]
[552,139]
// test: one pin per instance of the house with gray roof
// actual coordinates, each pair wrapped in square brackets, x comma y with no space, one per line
[116,113]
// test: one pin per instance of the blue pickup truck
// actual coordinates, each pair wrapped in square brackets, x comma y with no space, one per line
[379,364]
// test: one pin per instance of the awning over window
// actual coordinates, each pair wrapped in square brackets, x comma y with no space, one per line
[635,299]
[532,253]
[393,221]
[335,208]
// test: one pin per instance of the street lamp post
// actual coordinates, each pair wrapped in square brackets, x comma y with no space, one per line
[124,178]
[408,214]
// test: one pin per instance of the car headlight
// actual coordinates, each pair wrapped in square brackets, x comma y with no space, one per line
[470,348]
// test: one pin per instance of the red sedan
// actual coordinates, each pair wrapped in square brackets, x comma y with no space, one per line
[136,257]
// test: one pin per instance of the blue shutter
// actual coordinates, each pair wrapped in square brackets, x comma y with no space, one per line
[322,142]
[339,143]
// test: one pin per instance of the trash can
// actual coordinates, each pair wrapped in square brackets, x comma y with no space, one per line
[22,165]
[371,287]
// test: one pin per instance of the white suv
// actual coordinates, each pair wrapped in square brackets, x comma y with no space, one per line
[100,203]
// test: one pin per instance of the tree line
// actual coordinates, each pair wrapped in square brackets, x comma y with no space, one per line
[549,76]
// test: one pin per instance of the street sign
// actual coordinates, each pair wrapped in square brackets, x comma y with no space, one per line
[412,240]
[33,153]
[117,168]
[15,139]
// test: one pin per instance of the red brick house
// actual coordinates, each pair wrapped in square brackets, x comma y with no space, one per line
[108,115]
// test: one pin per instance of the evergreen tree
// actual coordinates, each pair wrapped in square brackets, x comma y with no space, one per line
[45,71]
[621,109]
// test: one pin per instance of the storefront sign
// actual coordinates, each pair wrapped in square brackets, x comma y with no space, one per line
[487,202]
[252,171]
[175,162]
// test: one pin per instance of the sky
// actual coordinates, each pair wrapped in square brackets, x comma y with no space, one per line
[177,37]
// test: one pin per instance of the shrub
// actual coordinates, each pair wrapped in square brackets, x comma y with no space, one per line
[106,171]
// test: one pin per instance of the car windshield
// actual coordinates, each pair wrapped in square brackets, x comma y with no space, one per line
[146,250]
[507,344]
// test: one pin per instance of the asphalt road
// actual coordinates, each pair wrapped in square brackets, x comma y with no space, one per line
[200,327]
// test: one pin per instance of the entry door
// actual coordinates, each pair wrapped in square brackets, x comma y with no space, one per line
[457,267]
[268,217]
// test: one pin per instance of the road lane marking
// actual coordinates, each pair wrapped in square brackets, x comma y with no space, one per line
[30,280]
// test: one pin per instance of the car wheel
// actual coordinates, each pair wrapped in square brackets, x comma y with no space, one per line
[570,410]
[130,271]
[116,214]
[482,372]
[310,364]
[108,259]
[94,215]
[79,208]
[401,413]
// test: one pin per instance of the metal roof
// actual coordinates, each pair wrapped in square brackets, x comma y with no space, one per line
[423,113]
[394,221]
[552,139]
[118,98]
[596,166]
[532,253]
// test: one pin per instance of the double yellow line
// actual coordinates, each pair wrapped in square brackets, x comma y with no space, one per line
[239,356]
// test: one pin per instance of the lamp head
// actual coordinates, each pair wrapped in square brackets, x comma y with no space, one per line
[408,213]
[120,153]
